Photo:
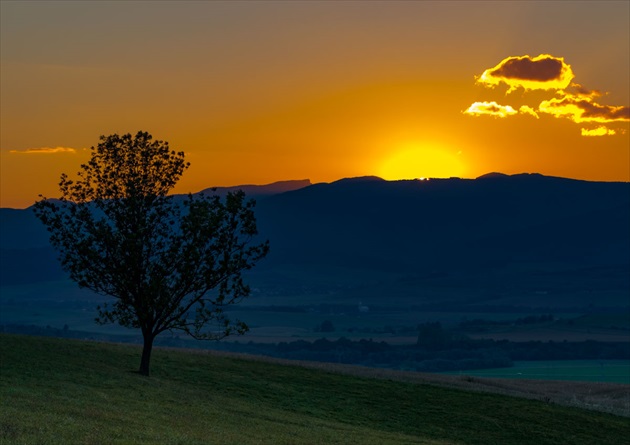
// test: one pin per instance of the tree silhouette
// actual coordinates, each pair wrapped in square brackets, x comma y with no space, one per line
[169,263]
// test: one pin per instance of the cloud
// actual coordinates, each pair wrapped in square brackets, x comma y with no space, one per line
[497,110]
[544,72]
[491,109]
[528,110]
[578,90]
[45,150]
[581,109]
[599,131]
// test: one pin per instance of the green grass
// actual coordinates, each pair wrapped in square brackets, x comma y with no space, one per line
[608,371]
[56,391]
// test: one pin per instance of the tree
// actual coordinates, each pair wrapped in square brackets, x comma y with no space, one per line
[170,263]
[432,336]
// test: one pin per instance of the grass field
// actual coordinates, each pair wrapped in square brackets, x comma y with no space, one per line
[57,391]
[611,371]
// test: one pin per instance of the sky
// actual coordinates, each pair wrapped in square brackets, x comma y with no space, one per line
[257,92]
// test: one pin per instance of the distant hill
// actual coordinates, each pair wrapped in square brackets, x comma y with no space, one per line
[260,190]
[450,223]
[411,226]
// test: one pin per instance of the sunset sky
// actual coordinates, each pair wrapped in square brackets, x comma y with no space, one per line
[257,92]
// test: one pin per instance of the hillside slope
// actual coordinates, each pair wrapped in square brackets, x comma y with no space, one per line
[58,391]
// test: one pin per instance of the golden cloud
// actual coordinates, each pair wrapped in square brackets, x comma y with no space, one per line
[45,150]
[599,131]
[544,72]
[491,109]
[581,109]
[528,110]
[494,109]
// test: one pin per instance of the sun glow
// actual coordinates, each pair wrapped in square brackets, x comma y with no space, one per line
[422,161]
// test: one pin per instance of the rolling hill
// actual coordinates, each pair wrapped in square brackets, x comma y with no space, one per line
[60,391]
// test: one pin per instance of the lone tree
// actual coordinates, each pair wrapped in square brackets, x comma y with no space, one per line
[169,263]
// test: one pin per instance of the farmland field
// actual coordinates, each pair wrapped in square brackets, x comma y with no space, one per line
[281,310]
[604,371]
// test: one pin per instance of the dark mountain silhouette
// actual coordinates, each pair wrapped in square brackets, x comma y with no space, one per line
[449,222]
[493,175]
[412,226]
[255,191]
[20,229]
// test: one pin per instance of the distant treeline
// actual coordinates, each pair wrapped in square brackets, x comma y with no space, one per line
[328,308]
[436,349]
[452,356]
[66,332]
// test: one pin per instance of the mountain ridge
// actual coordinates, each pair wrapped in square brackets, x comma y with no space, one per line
[260,190]
[276,187]
[406,226]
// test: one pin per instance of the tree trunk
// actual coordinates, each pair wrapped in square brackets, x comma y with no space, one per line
[146,353]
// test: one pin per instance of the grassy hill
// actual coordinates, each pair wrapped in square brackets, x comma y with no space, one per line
[57,391]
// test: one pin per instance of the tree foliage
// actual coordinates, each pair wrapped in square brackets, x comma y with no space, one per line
[170,263]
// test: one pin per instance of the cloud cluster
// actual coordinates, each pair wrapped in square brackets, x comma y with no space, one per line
[546,72]
[45,150]
[579,110]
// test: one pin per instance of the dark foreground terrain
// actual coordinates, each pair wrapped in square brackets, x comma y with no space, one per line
[58,391]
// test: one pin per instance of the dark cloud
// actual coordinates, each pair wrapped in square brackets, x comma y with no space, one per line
[580,109]
[596,111]
[544,72]
[579,90]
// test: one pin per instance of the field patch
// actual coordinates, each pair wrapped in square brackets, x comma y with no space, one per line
[603,371]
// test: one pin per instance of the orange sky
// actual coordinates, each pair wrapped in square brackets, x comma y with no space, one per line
[256,92]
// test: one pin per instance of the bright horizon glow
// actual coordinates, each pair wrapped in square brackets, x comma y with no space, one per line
[422,160]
